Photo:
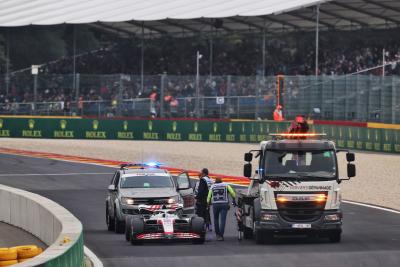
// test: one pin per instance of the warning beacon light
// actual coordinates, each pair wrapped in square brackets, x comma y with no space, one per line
[297,135]
[152,164]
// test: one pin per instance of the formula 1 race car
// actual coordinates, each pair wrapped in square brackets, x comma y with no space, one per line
[163,222]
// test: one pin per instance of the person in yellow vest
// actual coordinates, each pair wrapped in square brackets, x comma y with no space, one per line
[218,196]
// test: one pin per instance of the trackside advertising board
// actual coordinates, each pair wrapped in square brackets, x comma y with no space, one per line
[363,138]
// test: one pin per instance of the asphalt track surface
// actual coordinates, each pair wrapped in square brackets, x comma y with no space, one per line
[371,237]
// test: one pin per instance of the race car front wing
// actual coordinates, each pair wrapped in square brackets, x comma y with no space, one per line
[153,236]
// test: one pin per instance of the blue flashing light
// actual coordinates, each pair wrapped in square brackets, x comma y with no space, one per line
[153,164]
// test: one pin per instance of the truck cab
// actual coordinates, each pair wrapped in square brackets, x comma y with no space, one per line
[295,189]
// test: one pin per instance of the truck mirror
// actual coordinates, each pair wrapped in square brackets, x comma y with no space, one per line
[247,170]
[351,170]
[248,157]
[350,157]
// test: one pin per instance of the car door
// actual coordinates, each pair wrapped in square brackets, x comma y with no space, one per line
[186,191]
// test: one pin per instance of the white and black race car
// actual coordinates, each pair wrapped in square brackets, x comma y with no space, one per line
[163,222]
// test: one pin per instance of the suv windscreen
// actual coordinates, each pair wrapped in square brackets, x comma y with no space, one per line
[146,182]
[300,164]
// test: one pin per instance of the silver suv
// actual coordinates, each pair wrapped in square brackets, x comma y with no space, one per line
[144,185]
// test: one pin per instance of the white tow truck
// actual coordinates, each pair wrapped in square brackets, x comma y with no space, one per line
[295,189]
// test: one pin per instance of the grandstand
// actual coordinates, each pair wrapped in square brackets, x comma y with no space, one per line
[244,45]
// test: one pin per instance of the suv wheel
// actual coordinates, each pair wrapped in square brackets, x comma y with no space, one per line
[109,220]
[119,226]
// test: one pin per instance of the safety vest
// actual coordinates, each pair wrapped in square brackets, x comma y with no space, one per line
[208,181]
[278,115]
[219,193]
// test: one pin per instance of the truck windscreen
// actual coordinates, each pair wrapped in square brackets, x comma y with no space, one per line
[300,164]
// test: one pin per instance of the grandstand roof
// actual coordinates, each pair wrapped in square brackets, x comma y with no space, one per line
[158,17]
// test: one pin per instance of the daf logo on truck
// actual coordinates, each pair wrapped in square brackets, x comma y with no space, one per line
[295,189]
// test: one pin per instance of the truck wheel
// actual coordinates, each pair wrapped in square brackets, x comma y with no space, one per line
[247,233]
[137,227]
[109,220]
[335,237]
[268,237]
[197,226]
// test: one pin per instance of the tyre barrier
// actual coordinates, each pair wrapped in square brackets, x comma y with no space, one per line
[48,221]
[8,263]
[14,255]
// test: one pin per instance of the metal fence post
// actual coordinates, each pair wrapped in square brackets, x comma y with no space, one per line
[394,100]
[238,107]
[228,94]
[119,96]
[162,85]
[257,95]
[77,82]
[35,81]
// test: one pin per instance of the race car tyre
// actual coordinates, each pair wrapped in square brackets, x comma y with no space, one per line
[8,263]
[247,233]
[335,237]
[119,226]
[7,254]
[109,221]
[198,227]
[137,227]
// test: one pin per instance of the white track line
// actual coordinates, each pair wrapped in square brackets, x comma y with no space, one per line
[93,258]
[54,174]
[371,206]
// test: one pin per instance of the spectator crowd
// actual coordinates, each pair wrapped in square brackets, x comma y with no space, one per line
[238,56]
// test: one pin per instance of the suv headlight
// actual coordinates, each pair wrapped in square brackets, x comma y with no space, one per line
[173,200]
[127,200]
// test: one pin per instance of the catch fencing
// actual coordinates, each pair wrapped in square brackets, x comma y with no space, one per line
[350,97]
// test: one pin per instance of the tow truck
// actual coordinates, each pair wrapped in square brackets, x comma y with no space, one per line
[295,189]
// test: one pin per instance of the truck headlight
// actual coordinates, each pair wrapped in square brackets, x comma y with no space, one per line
[333,217]
[268,217]
[127,200]
[173,200]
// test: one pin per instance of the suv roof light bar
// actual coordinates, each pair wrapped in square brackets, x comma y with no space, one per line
[141,165]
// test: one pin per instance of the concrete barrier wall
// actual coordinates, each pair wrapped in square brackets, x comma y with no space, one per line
[48,221]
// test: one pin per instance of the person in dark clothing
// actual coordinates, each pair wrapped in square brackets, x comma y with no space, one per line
[299,125]
[201,196]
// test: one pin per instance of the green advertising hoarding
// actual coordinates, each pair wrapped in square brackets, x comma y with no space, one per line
[371,139]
